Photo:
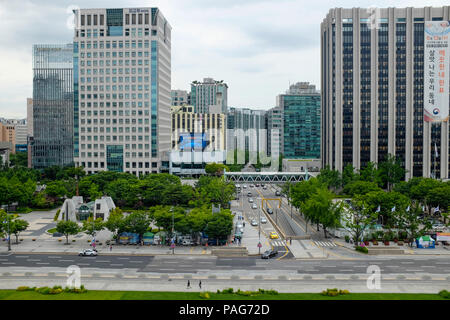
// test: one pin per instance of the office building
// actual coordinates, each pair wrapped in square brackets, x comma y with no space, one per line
[274,124]
[246,132]
[373,75]
[30,117]
[209,96]
[122,79]
[52,106]
[180,97]
[197,139]
[300,108]
[8,136]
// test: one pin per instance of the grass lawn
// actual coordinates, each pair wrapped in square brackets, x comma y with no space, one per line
[52,230]
[141,295]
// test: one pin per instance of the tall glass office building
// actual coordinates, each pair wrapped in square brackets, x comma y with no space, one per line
[373,90]
[300,107]
[52,105]
[209,96]
[122,79]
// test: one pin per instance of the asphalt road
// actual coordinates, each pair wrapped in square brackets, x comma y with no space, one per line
[197,265]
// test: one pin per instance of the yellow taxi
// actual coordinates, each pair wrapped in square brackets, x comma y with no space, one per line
[273,235]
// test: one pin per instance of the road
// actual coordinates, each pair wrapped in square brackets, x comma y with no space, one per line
[199,264]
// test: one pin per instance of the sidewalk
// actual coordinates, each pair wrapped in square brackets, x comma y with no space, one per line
[439,250]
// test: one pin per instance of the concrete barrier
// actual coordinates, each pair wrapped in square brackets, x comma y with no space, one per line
[384,250]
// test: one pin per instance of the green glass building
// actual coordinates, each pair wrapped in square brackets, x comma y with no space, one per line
[301,121]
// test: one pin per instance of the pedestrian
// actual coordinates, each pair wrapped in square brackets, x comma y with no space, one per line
[200,284]
[243,223]
[110,247]
[188,284]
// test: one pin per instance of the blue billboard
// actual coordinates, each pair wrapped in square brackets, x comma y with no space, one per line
[193,141]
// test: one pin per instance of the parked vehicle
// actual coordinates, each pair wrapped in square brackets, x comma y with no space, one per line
[187,242]
[88,252]
[269,254]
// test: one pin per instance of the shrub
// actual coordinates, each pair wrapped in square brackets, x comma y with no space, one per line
[205,295]
[334,292]
[362,249]
[57,215]
[444,294]
[23,288]
[347,238]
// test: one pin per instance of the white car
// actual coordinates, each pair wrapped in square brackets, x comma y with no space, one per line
[254,206]
[254,223]
[88,252]
[250,200]
[263,220]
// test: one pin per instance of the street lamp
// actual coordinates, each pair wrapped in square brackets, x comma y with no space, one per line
[9,231]
[172,245]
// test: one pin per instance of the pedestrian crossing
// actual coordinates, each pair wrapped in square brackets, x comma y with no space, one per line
[325,243]
[279,243]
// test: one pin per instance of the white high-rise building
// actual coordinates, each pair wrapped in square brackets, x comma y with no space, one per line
[122,78]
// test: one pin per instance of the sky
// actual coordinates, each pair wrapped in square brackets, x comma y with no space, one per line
[258,47]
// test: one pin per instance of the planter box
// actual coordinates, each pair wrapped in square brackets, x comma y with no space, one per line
[366,243]
[386,243]
[375,243]
[400,243]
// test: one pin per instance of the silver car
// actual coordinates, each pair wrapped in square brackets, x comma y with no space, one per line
[263,220]
[254,206]
[254,223]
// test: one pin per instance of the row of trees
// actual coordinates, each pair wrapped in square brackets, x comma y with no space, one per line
[168,218]
[18,185]
[403,208]
[11,225]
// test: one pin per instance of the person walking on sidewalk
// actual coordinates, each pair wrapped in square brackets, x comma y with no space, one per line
[110,247]
[200,284]
[188,284]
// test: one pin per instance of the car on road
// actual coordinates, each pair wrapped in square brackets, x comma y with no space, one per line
[269,210]
[239,225]
[257,185]
[277,193]
[264,188]
[88,252]
[269,254]
[250,200]
[273,235]
[244,186]
[254,206]
[254,223]
[263,220]
[249,194]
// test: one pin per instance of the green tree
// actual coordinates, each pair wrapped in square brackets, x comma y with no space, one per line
[215,190]
[56,189]
[320,209]
[220,225]
[329,177]
[17,226]
[115,222]
[67,228]
[91,226]
[165,217]
[348,175]
[357,219]
[439,196]
[302,191]
[391,171]
[94,193]
[124,193]
[215,169]
[137,222]
[18,159]
[411,221]
[360,187]
[370,173]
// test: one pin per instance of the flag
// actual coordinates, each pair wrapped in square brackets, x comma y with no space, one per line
[407,209]
[436,209]
[393,209]
[378,209]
